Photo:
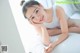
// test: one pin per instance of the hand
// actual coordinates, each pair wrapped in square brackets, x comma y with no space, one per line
[49,48]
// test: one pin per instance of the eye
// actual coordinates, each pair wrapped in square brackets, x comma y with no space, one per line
[37,11]
[33,17]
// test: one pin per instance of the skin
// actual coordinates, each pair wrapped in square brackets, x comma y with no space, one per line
[41,15]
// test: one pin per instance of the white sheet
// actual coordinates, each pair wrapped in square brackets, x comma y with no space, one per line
[70,45]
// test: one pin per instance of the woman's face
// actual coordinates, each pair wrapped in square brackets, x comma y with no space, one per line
[36,14]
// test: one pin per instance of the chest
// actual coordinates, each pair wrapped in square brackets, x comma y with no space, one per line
[54,22]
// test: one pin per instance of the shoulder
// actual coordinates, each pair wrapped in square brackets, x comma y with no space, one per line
[60,12]
[59,9]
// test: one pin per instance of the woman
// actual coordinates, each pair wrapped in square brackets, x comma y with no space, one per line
[47,22]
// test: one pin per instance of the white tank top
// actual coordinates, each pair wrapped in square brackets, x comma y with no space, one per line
[55,21]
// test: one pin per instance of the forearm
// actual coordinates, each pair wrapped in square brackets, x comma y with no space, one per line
[60,40]
[54,44]
[45,36]
[63,25]
[54,31]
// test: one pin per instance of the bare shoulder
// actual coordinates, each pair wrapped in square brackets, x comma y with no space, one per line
[59,8]
[60,12]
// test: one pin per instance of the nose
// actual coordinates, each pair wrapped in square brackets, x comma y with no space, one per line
[39,15]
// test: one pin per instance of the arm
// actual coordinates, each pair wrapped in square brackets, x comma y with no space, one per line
[54,31]
[44,34]
[64,29]
[64,25]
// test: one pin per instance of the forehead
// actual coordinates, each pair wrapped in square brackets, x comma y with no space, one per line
[30,11]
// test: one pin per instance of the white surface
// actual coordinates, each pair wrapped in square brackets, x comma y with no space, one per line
[70,11]
[46,3]
[70,45]
[24,28]
[75,16]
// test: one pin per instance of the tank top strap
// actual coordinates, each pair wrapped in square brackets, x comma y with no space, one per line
[54,22]
[54,10]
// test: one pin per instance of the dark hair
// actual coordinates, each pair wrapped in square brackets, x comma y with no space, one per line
[27,5]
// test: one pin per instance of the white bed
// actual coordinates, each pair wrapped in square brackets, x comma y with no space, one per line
[70,45]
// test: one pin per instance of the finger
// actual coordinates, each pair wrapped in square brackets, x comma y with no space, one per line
[49,47]
[45,50]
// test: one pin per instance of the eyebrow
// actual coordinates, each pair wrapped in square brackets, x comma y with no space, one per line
[33,12]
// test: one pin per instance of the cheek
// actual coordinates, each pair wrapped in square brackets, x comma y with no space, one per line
[45,14]
[36,20]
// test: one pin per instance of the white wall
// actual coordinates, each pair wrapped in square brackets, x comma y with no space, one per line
[25,29]
[8,30]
